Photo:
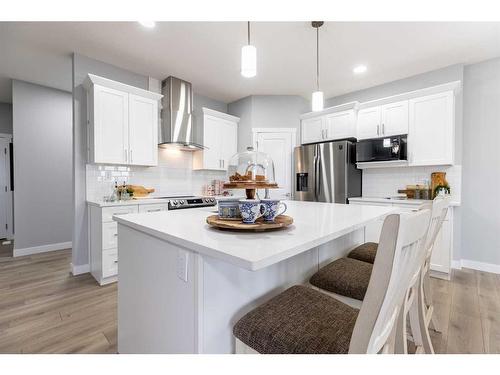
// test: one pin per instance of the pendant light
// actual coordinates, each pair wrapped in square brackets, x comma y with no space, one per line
[248,58]
[317,96]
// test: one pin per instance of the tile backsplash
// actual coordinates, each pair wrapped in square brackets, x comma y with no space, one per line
[172,176]
[383,182]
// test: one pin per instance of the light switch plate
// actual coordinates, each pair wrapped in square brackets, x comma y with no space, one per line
[182,265]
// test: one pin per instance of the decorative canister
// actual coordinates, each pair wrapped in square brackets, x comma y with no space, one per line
[228,208]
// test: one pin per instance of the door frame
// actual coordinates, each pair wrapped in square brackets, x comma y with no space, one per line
[292,131]
[10,200]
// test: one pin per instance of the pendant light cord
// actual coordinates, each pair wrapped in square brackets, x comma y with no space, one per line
[317,58]
[248,32]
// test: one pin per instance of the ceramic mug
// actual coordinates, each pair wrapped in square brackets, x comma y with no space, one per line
[272,208]
[251,210]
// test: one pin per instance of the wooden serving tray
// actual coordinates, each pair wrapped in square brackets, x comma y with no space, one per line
[280,221]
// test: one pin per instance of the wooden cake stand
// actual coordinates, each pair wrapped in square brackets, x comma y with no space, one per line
[250,187]
[280,221]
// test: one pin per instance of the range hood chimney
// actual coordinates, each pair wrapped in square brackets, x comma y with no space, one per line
[176,126]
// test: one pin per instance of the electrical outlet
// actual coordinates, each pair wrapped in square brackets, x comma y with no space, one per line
[182,265]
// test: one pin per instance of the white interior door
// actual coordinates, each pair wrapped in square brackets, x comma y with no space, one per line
[4,188]
[279,145]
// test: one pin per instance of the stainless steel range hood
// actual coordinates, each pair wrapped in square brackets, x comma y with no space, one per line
[176,127]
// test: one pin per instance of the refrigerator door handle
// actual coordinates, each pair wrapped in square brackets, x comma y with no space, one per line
[317,171]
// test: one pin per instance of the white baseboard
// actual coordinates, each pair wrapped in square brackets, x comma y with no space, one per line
[475,265]
[79,269]
[42,249]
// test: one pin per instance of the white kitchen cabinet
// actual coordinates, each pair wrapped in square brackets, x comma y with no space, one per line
[442,252]
[143,130]
[109,125]
[122,123]
[153,207]
[220,139]
[312,130]
[103,241]
[383,121]
[368,123]
[394,118]
[431,129]
[340,125]
[329,125]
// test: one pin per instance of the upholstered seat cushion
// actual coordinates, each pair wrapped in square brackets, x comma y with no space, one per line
[299,320]
[365,252]
[344,276]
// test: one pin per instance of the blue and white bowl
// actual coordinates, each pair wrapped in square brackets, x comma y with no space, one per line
[228,208]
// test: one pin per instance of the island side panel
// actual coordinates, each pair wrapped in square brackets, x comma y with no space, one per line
[156,308]
[230,292]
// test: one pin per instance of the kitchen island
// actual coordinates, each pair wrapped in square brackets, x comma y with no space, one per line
[183,285]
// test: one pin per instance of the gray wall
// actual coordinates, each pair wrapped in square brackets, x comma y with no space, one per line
[267,111]
[42,165]
[6,118]
[82,66]
[481,163]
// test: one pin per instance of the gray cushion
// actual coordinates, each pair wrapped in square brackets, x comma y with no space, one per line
[299,320]
[345,276]
[365,252]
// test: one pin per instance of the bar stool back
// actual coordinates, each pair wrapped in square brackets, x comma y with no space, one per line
[398,259]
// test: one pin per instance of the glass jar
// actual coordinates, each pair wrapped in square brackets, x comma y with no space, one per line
[251,166]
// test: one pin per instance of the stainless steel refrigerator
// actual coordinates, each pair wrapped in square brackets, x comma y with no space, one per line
[326,172]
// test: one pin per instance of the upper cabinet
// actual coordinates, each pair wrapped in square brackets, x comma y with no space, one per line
[220,139]
[330,124]
[122,123]
[426,115]
[383,121]
[431,134]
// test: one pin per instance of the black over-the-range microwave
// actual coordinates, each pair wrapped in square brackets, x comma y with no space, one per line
[382,149]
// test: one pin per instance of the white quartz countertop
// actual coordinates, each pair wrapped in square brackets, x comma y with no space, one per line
[314,224]
[410,202]
[148,200]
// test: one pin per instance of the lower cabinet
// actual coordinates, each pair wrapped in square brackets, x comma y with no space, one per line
[442,252]
[103,239]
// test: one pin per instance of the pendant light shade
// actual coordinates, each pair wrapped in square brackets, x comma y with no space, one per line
[317,99]
[248,59]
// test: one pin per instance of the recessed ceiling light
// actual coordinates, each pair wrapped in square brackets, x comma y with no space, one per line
[148,24]
[359,69]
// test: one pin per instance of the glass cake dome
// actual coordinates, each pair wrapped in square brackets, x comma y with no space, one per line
[250,167]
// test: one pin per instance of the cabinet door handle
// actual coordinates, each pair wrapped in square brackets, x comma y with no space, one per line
[126,155]
[130,156]
[116,234]
[326,133]
[383,129]
[155,210]
[378,129]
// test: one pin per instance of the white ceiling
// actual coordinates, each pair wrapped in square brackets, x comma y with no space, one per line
[208,53]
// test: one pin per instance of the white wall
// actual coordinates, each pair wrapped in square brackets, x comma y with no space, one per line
[6,118]
[42,166]
[267,111]
[481,163]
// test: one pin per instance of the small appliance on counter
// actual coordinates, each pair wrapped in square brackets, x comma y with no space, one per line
[382,149]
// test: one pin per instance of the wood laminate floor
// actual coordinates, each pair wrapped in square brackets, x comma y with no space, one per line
[43,309]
